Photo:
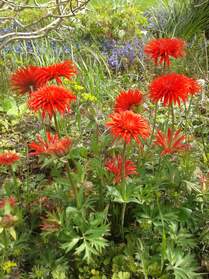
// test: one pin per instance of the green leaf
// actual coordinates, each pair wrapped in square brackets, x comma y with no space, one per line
[69,246]
[12,232]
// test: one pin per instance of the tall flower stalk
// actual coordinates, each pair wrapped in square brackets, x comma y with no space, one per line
[123,184]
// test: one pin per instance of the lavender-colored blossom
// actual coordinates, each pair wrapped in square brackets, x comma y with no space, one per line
[118,52]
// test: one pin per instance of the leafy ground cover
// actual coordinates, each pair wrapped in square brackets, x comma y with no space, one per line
[104,151]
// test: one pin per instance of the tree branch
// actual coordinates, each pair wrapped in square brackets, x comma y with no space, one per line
[55,13]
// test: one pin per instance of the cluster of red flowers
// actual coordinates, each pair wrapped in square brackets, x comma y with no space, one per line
[126,125]
[29,79]
[48,99]
[53,145]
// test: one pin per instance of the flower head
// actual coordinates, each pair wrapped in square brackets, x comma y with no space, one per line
[27,79]
[170,88]
[160,50]
[171,142]
[128,99]
[115,165]
[128,125]
[49,225]
[8,221]
[8,158]
[51,146]
[11,201]
[65,69]
[51,99]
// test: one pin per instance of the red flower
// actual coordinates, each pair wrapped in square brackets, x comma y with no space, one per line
[194,87]
[170,88]
[51,146]
[50,225]
[51,99]
[8,158]
[128,125]
[114,165]
[160,50]
[11,201]
[66,69]
[171,142]
[8,221]
[27,79]
[127,99]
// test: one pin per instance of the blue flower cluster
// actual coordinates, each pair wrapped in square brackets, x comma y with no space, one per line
[117,52]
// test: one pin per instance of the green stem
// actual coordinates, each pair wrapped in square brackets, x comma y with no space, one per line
[122,219]
[187,112]
[173,116]
[123,184]
[14,177]
[15,182]
[164,242]
[73,185]
[154,123]
[56,124]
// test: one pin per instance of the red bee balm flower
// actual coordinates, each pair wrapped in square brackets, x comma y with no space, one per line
[171,142]
[170,88]
[51,146]
[66,69]
[51,99]
[114,165]
[27,79]
[128,125]
[128,99]
[8,158]
[160,50]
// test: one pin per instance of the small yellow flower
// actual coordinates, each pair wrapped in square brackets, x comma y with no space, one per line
[78,87]
[89,97]
[7,266]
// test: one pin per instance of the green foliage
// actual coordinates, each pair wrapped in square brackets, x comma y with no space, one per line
[71,219]
[185,19]
[114,21]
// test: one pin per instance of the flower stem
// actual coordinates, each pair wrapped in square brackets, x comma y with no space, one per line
[123,184]
[154,123]
[73,185]
[173,116]
[56,124]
